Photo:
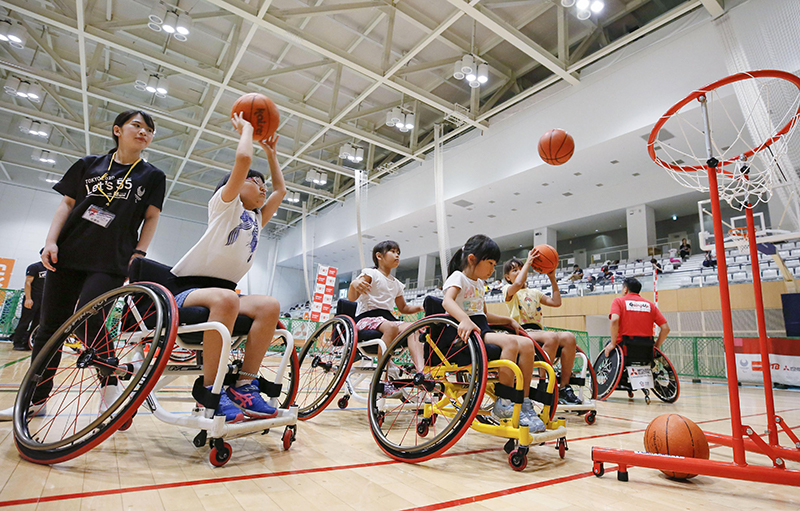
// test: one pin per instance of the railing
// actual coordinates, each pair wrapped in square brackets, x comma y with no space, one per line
[693,357]
[9,304]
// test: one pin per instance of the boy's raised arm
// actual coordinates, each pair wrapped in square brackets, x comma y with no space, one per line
[278,184]
[244,157]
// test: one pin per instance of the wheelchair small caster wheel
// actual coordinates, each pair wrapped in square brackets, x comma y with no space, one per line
[598,469]
[647,399]
[630,394]
[221,453]
[380,417]
[590,417]
[287,438]
[561,445]
[126,425]
[422,428]
[622,476]
[342,402]
[509,447]
[517,460]
[200,439]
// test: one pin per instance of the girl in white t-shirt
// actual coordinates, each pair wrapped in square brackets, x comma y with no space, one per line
[463,299]
[207,275]
[377,292]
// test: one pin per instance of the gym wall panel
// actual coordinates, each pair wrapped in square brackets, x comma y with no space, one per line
[690,299]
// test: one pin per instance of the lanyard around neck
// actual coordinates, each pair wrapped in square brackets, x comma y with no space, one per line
[121,184]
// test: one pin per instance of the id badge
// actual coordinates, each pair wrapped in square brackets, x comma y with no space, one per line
[98,215]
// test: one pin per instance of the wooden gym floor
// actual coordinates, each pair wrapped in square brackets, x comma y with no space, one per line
[336,465]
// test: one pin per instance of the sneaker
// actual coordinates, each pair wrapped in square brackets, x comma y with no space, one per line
[566,396]
[529,417]
[503,408]
[21,348]
[227,409]
[33,411]
[108,394]
[248,399]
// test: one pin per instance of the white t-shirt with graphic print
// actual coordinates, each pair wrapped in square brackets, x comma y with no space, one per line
[227,248]
[382,292]
[470,294]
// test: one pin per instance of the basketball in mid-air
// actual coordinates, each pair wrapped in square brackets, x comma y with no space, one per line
[676,435]
[547,260]
[556,147]
[260,111]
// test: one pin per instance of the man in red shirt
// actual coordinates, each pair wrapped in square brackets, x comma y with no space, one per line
[633,316]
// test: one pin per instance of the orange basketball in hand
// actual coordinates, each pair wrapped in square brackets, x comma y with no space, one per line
[676,435]
[260,111]
[556,146]
[547,260]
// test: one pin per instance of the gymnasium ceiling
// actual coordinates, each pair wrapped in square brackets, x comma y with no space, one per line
[334,68]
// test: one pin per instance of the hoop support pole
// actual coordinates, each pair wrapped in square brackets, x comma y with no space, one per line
[763,341]
[725,302]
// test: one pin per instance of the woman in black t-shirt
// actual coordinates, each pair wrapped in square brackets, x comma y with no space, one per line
[95,230]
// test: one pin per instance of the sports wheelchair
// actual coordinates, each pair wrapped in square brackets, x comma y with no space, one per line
[429,412]
[128,334]
[583,378]
[636,364]
[337,355]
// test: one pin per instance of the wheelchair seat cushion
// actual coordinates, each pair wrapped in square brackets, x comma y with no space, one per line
[638,350]
[195,315]
[433,305]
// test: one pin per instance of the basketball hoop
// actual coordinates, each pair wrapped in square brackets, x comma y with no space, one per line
[751,125]
[739,236]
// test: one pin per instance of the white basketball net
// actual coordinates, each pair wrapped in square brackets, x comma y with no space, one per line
[740,238]
[742,116]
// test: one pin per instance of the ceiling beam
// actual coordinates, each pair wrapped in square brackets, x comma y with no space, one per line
[327,9]
[84,78]
[519,40]
[714,7]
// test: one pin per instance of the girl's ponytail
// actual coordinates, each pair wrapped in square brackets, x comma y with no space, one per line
[455,263]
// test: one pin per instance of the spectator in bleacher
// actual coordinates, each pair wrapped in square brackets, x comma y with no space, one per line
[685,249]
[710,261]
[590,281]
[525,307]
[606,275]
[613,266]
[577,273]
[656,266]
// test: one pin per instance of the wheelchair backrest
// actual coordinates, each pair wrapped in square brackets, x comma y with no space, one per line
[638,350]
[346,308]
[143,269]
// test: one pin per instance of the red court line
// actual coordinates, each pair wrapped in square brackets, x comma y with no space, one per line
[503,493]
[200,482]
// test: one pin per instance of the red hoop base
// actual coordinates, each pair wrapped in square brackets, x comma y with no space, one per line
[626,459]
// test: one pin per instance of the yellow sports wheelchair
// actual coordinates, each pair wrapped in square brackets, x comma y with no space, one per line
[416,417]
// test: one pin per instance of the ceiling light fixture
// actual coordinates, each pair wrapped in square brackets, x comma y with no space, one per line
[183,26]
[597,6]
[471,69]
[152,83]
[5,26]
[567,3]
[17,36]
[171,21]
[584,15]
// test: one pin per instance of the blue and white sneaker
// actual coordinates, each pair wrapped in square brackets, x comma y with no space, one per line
[248,399]
[227,409]
[529,417]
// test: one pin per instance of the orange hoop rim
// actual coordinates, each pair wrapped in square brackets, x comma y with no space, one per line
[740,232]
[738,77]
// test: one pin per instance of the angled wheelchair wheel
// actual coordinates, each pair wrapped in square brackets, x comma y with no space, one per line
[665,380]
[325,361]
[608,371]
[540,380]
[416,418]
[272,365]
[65,406]
[32,336]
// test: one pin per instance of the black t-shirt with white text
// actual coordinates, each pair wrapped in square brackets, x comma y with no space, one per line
[85,245]
[38,272]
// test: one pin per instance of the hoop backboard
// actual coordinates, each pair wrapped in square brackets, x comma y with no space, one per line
[764,233]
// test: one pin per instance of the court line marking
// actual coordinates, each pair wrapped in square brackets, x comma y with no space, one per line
[14,362]
[200,482]
[503,493]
